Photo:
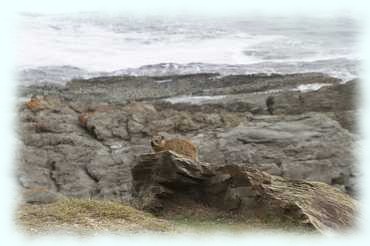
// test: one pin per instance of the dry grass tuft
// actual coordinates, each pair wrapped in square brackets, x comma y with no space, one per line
[82,215]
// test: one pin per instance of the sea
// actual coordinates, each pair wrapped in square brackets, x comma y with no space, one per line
[55,48]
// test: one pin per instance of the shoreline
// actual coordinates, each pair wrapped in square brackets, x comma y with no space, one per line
[342,68]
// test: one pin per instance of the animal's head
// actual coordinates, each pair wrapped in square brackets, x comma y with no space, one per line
[157,141]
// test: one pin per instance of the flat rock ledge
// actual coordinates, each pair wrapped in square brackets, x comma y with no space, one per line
[163,179]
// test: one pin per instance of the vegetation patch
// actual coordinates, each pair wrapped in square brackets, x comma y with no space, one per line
[83,215]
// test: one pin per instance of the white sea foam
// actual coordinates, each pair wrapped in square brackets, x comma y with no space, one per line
[57,41]
[311,87]
[193,99]
[203,99]
[164,81]
[98,43]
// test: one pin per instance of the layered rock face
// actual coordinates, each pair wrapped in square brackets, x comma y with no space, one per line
[339,102]
[87,136]
[309,146]
[164,180]
[60,155]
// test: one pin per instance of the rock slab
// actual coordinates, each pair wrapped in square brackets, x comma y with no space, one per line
[163,177]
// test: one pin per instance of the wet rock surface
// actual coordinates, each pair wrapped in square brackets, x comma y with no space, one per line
[87,136]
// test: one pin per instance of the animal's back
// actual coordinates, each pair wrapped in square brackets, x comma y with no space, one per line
[35,104]
[182,147]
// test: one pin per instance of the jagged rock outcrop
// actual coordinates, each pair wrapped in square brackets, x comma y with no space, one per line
[121,89]
[63,157]
[166,179]
[310,146]
[339,97]
[83,139]
[95,159]
[338,100]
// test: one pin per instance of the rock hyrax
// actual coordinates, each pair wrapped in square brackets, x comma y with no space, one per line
[84,117]
[180,146]
[35,103]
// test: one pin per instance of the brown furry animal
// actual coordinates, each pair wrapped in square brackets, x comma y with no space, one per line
[35,103]
[83,117]
[180,146]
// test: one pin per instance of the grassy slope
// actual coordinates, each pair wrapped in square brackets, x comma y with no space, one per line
[85,216]
[92,216]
